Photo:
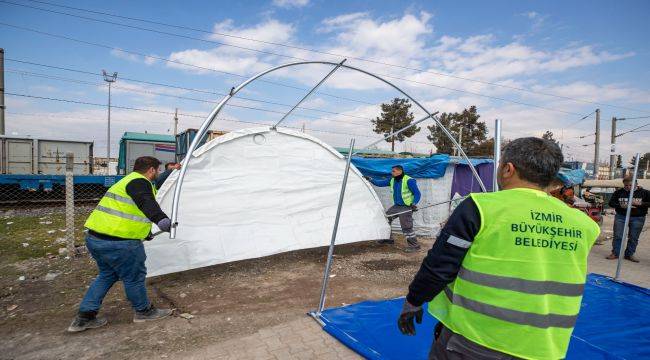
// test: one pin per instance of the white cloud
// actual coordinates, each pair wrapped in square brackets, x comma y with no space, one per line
[290,3]
[148,60]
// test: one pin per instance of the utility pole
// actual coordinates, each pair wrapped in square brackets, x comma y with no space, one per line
[2,91]
[460,140]
[175,123]
[597,147]
[612,156]
[109,79]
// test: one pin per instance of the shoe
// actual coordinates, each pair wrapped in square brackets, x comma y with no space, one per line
[632,258]
[412,249]
[386,242]
[152,313]
[611,256]
[80,324]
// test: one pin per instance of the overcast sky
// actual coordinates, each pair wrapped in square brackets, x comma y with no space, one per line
[536,65]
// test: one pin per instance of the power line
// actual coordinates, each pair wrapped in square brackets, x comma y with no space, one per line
[175,87]
[340,56]
[276,83]
[183,97]
[633,130]
[90,43]
[192,115]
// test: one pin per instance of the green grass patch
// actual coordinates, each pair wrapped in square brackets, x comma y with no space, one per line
[25,236]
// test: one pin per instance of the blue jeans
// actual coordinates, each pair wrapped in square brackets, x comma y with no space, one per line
[634,231]
[116,260]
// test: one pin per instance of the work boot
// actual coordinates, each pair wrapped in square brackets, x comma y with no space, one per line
[611,256]
[412,248]
[152,313]
[386,242]
[83,323]
[631,258]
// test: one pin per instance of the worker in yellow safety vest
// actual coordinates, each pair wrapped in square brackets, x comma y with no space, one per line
[115,230]
[505,276]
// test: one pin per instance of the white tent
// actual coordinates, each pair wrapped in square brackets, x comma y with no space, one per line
[257,192]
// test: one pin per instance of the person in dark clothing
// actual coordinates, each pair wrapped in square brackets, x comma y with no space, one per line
[115,230]
[640,204]
[406,196]
[169,168]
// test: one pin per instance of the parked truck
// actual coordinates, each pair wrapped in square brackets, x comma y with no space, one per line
[133,145]
[184,140]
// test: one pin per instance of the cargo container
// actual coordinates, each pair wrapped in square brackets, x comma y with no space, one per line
[133,145]
[184,139]
[43,156]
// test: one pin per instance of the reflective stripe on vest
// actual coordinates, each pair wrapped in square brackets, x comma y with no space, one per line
[407,195]
[117,214]
[520,284]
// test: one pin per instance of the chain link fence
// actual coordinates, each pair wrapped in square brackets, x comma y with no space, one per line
[43,215]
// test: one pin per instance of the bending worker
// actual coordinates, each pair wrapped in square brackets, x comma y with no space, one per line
[406,195]
[116,228]
[506,274]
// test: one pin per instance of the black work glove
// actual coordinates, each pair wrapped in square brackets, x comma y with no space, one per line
[366,177]
[405,321]
[414,208]
[165,224]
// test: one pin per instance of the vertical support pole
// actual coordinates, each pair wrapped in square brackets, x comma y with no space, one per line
[621,251]
[175,123]
[497,153]
[69,204]
[330,253]
[597,147]
[108,130]
[2,91]
[612,155]
[460,141]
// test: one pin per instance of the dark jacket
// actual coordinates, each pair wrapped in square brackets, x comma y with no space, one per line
[140,192]
[442,263]
[160,180]
[620,197]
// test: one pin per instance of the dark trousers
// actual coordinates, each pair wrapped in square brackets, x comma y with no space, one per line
[451,346]
[634,231]
[405,222]
[116,260]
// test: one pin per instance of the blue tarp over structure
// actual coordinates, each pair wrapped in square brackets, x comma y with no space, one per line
[614,323]
[431,167]
[572,177]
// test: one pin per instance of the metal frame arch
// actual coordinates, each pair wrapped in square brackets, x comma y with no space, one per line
[213,115]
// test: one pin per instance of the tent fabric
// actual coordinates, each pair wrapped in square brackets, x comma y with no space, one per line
[423,168]
[464,181]
[257,192]
[614,323]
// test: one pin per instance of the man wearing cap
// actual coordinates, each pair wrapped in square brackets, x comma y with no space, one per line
[406,195]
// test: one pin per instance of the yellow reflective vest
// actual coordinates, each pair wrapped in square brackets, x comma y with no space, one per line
[520,284]
[117,215]
[407,195]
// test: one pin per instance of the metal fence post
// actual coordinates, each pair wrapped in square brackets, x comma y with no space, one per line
[69,204]
[621,251]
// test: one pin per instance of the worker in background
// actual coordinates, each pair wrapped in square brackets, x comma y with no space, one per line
[640,204]
[169,168]
[406,195]
[506,274]
[115,230]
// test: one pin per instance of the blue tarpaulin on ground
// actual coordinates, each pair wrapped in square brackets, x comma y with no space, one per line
[432,167]
[614,323]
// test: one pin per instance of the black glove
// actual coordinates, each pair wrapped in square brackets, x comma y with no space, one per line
[165,224]
[405,321]
[366,177]
[414,208]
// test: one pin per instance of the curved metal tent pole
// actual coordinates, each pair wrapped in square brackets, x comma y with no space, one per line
[213,115]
